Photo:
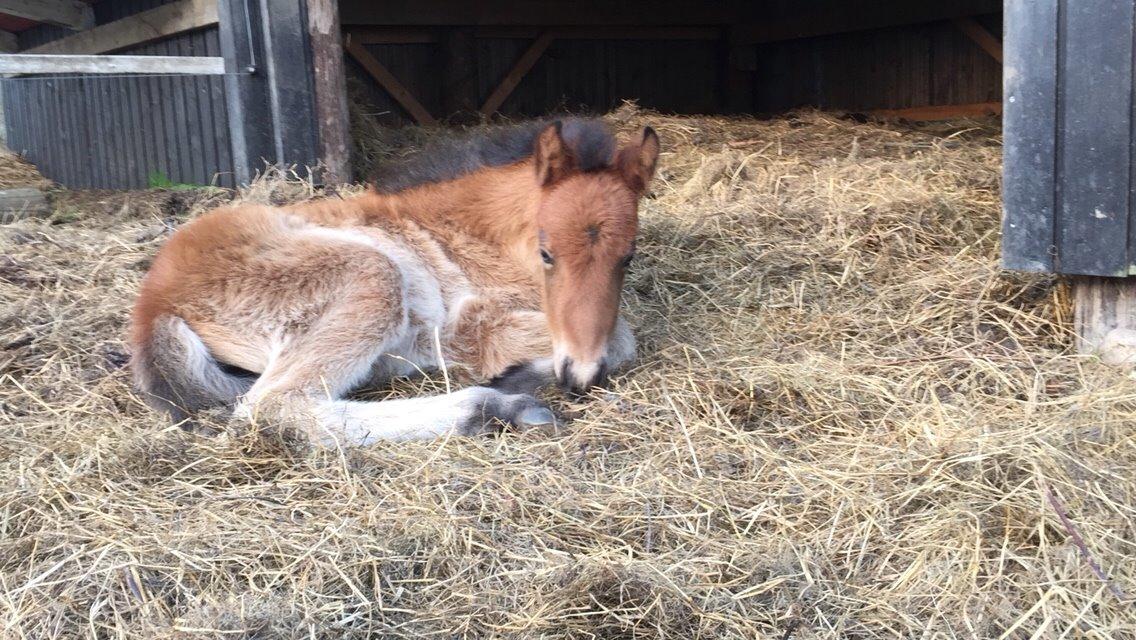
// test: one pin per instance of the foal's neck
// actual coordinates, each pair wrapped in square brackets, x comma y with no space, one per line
[496,205]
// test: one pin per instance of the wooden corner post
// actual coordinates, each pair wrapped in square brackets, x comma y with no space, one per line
[1100,307]
[330,84]
[269,86]
[246,86]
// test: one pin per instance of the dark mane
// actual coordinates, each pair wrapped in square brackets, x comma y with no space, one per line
[444,159]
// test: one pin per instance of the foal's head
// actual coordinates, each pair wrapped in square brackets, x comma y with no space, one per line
[586,228]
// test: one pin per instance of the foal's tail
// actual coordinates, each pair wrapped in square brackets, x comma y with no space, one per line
[175,372]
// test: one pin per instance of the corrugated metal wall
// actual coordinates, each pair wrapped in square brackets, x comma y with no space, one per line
[123,132]
[929,64]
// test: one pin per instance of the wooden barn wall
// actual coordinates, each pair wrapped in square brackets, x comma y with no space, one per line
[123,132]
[913,66]
[929,64]
[573,75]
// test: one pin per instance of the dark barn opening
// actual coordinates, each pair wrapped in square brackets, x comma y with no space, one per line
[460,62]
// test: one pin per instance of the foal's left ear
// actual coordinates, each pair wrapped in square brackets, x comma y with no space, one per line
[636,161]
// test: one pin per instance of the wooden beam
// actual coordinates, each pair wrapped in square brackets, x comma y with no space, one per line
[822,19]
[330,89]
[8,43]
[526,62]
[34,63]
[387,81]
[410,35]
[980,36]
[393,35]
[605,33]
[137,29]
[71,14]
[769,20]
[942,112]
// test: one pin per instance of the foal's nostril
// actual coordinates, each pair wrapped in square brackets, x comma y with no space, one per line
[563,373]
[601,375]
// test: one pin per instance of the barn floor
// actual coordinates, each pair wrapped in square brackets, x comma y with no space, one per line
[845,422]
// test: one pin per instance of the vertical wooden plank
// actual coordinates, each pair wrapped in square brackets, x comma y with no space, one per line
[120,150]
[246,86]
[1100,306]
[204,115]
[77,168]
[457,62]
[290,87]
[330,89]
[148,116]
[80,130]
[1094,121]
[180,128]
[191,122]
[139,143]
[45,92]
[13,116]
[165,137]
[736,82]
[220,131]
[1029,121]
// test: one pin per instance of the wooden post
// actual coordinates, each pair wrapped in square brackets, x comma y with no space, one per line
[330,90]
[1100,306]
[269,89]
[290,84]
[458,61]
[246,87]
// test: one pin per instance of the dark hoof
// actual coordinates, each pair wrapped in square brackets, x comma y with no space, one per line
[537,417]
[523,377]
[520,411]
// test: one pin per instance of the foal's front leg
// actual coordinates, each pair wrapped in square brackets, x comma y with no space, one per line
[305,382]
[470,411]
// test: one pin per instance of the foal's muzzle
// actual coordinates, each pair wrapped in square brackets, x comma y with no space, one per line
[577,378]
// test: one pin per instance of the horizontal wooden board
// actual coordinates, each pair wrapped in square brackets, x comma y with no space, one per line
[41,63]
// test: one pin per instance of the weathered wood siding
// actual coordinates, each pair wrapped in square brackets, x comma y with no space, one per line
[891,68]
[123,132]
[1069,137]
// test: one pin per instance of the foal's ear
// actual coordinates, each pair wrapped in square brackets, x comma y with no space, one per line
[553,158]
[636,161]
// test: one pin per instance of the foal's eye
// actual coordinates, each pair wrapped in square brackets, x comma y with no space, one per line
[546,257]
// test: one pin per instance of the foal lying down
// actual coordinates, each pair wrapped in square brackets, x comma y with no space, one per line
[508,250]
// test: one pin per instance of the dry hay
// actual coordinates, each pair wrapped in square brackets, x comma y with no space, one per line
[846,421]
[18,172]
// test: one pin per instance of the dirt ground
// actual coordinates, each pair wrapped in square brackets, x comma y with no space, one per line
[845,422]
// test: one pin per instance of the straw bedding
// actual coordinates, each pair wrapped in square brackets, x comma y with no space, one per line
[845,422]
